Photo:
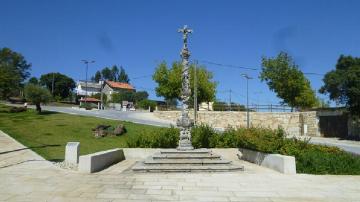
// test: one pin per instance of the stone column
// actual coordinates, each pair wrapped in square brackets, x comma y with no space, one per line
[184,122]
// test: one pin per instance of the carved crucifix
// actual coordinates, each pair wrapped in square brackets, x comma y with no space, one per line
[185,31]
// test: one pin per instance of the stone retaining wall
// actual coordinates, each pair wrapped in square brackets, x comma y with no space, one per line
[292,122]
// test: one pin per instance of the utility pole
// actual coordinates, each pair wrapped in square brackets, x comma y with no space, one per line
[195,93]
[86,62]
[52,84]
[102,96]
[247,99]
[230,99]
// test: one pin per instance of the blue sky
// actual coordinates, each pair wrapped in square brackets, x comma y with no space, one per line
[56,35]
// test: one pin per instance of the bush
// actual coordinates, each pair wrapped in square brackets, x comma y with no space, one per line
[312,159]
[202,136]
[145,104]
[88,105]
[17,109]
[161,138]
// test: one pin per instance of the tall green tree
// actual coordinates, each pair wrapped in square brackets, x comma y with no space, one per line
[37,95]
[106,74]
[114,73]
[111,74]
[13,71]
[123,77]
[283,77]
[97,76]
[343,83]
[140,95]
[169,82]
[63,85]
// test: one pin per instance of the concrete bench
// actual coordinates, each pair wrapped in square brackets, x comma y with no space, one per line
[280,163]
[98,161]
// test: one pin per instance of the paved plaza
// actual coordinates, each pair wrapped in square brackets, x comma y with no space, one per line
[25,176]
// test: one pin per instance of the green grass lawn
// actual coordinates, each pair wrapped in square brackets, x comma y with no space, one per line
[48,133]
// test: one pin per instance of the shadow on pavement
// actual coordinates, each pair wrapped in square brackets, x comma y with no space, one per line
[14,164]
[43,146]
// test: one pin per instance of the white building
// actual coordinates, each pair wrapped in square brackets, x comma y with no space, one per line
[92,88]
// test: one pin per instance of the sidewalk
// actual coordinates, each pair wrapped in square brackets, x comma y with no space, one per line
[25,176]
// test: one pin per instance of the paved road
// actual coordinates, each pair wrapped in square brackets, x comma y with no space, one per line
[25,176]
[347,145]
[132,116]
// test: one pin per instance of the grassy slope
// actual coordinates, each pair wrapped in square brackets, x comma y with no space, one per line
[48,133]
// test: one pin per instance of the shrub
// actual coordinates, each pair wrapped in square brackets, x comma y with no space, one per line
[145,104]
[17,109]
[312,159]
[88,105]
[160,138]
[202,135]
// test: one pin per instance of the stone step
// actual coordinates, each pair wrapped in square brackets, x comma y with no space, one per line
[195,151]
[186,156]
[186,161]
[141,167]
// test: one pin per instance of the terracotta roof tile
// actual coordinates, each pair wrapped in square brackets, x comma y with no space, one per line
[120,85]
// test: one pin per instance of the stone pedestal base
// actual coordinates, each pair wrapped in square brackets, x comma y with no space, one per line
[185,145]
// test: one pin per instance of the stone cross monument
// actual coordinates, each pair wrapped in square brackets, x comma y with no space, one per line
[184,121]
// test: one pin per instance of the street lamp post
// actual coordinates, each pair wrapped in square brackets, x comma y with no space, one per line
[86,62]
[195,93]
[247,99]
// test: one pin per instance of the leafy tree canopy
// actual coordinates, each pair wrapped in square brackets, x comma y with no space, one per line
[107,74]
[343,83]
[129,96]
[13,71]
[111,74]
[283,76]
[63,85]
[97,76]
[37,95]
[33,80]
[123,77]
[169,82]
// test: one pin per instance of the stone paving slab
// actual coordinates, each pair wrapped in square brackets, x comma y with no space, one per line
[25,176]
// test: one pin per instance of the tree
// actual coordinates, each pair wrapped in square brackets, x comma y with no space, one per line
[37,95]
[111,74]
[140,95]
[343,83]
[114,73]
[13,71]
[123,77]
[123,96]
[97,76]
[33,80]
[63,85]
[106,74]
[283,76]
[146,104]
[169,82]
